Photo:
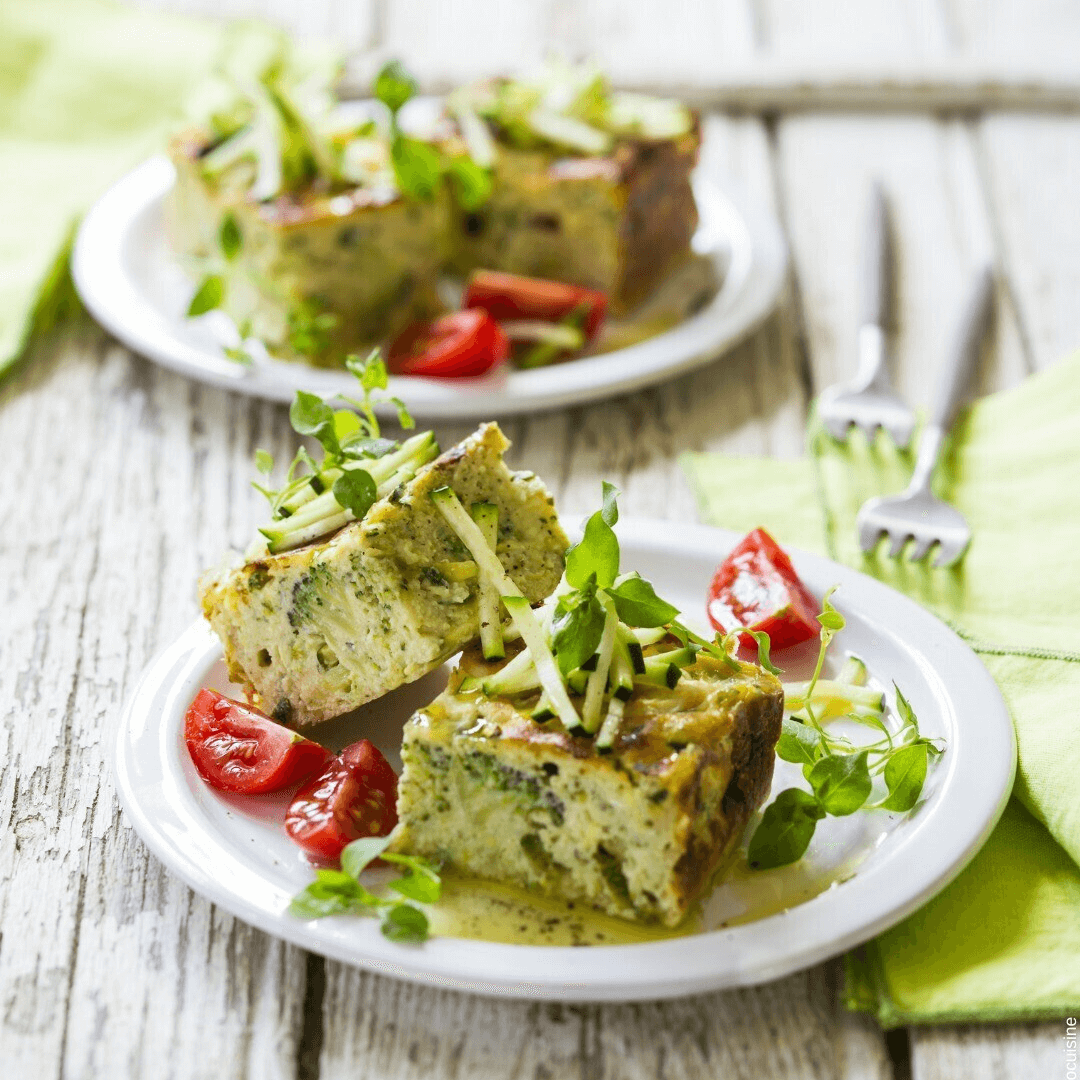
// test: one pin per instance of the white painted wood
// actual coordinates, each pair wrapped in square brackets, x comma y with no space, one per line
[941,229]
[977,1052]
[784,1029]
[1032,168]
[108,966]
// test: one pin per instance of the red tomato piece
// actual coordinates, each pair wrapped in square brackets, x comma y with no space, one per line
[757,587]
[466,343]
[237,748]
[510,296]
[354,796]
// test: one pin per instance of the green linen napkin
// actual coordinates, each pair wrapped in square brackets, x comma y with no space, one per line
[1003,941]
[87,89]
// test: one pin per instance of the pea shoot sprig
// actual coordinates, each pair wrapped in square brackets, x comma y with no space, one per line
[358,465]
[339,892]
[840,772]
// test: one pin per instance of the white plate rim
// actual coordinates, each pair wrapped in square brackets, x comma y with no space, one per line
[748,293]
[958,819]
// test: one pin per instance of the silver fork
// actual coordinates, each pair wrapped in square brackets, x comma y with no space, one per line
[869,401]
[917,514]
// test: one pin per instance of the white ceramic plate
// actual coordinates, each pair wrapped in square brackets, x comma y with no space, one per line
[861,874]
[134,286]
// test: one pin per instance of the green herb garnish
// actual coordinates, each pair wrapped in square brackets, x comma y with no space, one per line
[310,329]
[209,295]
[419,167]
[472,183]
[840,773]
[229,236]
[358,465]
[339,892]
[584,643]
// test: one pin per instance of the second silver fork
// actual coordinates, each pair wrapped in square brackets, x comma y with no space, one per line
[868,401]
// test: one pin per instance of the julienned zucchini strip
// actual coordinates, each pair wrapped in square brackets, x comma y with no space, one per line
[532,632]
[321,514]
[486,516]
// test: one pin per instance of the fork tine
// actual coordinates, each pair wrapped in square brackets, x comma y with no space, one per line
[951,550]
[837,426]
[899,539]
[869,534]
[901,432]
[868,428]
[921,548]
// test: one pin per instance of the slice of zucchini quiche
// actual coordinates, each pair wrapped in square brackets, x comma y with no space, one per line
[613,758]
[589,186]
[314,630]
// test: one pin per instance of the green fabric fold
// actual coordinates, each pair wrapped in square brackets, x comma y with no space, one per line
[87,90]
[1003,941]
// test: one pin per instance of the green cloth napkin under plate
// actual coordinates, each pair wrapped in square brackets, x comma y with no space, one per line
[1003,940]
[87,90]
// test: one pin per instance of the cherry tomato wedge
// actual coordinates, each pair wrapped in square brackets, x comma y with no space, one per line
[510,296]
[354,796]
[237,748]
[466,343]
[757,587]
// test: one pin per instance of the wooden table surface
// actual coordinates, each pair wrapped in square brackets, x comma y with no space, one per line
[123,481]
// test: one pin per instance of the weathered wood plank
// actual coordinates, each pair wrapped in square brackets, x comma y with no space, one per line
[942,229]
[444,45]
[109,966]
[975,1052]
[785,1028]
[1032,169]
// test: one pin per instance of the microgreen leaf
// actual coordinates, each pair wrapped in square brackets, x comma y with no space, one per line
[799,743]
[333,892]
[306,906]
[418,887]
[346,423]
[763,645]
[355,490]
[405,924]
[831,620]
[229,236]
[609,511]
[422,882]
[209,295]
[310,415]
[417,167]
[309,329]
[597,553]
[360,853]
[472,183]
[907,714]
[905,773]
[264,461]
[785,830]
[394,86]
[362,447]
[371,371]
[841,782]
[576,628]
[637,604]
[238,355]
[404,417]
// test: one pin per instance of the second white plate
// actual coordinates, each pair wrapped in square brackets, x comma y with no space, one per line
[132,283]
[861,874]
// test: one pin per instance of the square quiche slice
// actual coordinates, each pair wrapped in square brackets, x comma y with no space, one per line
[637,832]
[314,632]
